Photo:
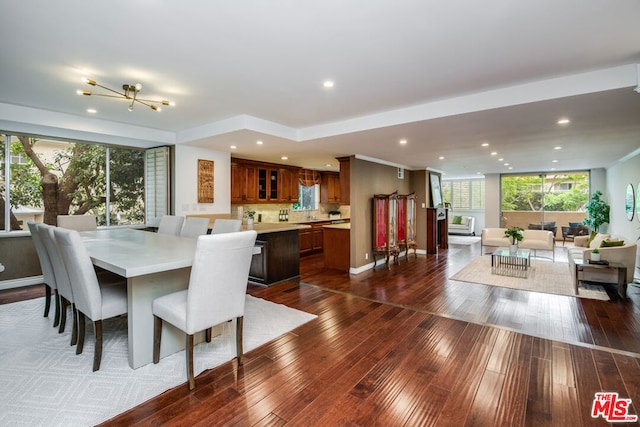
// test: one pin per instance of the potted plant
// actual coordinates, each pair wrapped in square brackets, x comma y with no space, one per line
[598,211]
[250,215]
[595,255]
[515,235]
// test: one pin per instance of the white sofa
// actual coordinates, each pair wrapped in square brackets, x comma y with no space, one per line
[466,226]
[625,254]
[533,239]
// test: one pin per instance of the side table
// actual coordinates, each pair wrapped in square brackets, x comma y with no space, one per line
[581,265]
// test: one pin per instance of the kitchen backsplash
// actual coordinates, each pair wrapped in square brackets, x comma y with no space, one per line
[270,212]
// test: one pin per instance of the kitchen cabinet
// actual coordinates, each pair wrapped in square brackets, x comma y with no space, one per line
[330,187]
[244,183]
[288,186]
[345,180]
[312,239]
[337,240]
[258,182]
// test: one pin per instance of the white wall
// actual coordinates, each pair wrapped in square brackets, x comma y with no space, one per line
[186,181]
[625,172]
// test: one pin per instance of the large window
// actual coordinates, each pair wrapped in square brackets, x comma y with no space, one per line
[464,194]
[43,178]
[557,198]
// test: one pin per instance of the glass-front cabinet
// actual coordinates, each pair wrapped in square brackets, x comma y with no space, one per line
[407,223]
[385,226]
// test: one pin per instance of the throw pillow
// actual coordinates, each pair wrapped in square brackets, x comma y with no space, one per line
[457,220]
[574,224]
[597,240]
[611,243]
[465,220]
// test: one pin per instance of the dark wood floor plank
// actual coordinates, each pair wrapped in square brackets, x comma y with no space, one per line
[408,346]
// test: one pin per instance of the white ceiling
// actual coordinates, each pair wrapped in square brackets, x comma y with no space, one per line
[445,76]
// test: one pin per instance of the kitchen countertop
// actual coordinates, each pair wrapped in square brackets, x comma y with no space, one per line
[274,227]
[342,226]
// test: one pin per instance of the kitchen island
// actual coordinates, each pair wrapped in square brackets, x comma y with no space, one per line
[279,257]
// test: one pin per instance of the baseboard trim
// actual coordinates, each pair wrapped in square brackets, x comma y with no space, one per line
[19,283]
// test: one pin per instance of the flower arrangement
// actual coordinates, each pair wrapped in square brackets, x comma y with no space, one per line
[514,234]
[595,251]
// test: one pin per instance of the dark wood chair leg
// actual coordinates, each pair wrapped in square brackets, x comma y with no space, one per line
[207,334]
[97,356]
[63,314]
[189,353]
[47,299]
[157,337]
[74,329]
[56,319]
[239,325]
[81,332]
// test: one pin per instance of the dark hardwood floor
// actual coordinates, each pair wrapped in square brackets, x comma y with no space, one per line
[407,346]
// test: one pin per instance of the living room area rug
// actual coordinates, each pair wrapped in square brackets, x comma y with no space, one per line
[543,276]
[44,383]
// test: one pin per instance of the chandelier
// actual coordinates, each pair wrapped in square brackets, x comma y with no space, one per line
[129,92]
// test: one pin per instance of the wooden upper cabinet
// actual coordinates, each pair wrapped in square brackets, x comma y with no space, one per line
[345,181]
[288,186]
[330,187]
[257,182]
[237,183]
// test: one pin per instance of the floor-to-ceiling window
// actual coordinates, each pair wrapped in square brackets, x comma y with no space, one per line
[45,177]
[549,198]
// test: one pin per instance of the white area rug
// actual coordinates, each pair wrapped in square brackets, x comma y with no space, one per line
[543,276]
[44,383]
[463,240]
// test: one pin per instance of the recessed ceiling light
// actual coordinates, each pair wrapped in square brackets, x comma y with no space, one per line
[553,169]
[328,165]
[554,161]
[284,158]
[557,148]
[328,84]
[506,164]
[259,142]
[403,141]
[485,144]
[564,121]
[233,147]
[500,159]
[510,168]
[92,110]
[441,158]
[493,153]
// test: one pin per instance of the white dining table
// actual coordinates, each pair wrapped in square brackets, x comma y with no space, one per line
[154,265]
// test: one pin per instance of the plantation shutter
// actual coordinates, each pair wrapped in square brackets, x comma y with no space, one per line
[156,178]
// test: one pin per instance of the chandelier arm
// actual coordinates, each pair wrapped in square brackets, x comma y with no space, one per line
[122,94]
[119,96]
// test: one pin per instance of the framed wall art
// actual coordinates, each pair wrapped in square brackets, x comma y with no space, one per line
[205,181]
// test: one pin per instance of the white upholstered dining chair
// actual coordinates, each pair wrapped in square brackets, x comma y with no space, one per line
[170,224]
[216,293]
[48,276]
[65,292]
[194,227]
[226,226]
[91,300]
[78,222]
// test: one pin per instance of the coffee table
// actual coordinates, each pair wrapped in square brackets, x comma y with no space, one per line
[581,265]
[507,263]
